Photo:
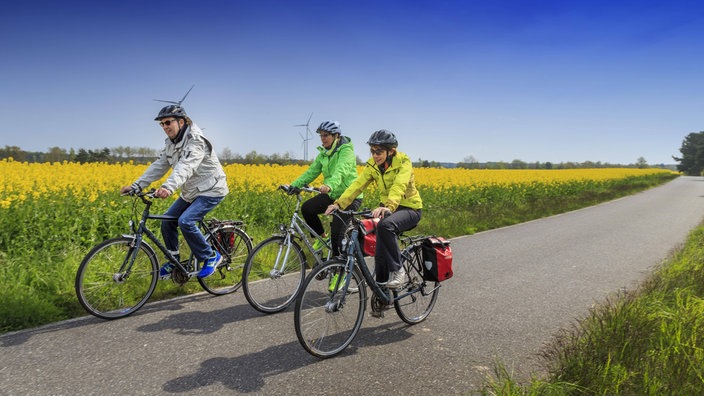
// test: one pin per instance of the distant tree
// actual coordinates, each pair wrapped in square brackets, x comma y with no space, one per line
[641,163]
[518,164]
[82,156]
[56,154]
[226,155]
[469,162]
[254,158]
[692,160]
[128,151]
[13,152]
[118,151]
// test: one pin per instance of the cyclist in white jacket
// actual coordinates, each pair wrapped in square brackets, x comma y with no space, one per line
[198,173]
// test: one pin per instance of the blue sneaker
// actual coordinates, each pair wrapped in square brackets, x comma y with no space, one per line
[165,271]
[209,265]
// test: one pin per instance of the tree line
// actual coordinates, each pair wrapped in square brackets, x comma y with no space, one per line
[137,155]
[145,155]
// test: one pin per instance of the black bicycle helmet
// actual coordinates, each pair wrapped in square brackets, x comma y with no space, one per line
[384,138]
[329,127]
[171,111]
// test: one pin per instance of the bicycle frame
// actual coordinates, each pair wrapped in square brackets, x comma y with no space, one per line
[330,308]
[356,257]
[298,227]
[142,230]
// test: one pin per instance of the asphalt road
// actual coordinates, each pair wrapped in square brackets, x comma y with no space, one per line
[513,289]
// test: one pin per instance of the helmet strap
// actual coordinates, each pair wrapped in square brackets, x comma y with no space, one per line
[333,146]
[181,132]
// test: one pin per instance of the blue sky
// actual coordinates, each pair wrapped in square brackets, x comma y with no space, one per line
[556,81]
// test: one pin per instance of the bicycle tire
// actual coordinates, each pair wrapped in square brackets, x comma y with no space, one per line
[98,288]
[325,324]
[227,277]
[415,307]
[267,290]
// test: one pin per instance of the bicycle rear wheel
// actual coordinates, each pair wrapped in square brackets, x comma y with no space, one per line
[415,308]
[228,275]
[273,274]
[106,290]
[327,322]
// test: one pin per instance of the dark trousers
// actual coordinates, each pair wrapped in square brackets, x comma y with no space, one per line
[316,206]
[388,254]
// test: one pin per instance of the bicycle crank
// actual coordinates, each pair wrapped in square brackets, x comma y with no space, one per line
[378,306]
[179,278]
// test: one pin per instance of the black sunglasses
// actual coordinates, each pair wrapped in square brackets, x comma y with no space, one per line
[377,152]
[167,122]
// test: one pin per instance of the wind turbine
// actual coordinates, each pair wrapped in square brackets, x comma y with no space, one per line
[305,138]
[180,101]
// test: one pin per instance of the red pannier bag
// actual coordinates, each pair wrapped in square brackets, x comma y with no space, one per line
[367,236]
[437,259]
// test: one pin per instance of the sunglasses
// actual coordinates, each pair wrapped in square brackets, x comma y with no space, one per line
[167,122]
[324,135]
[377,151]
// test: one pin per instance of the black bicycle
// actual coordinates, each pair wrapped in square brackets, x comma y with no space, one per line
[118,275]
[331,306]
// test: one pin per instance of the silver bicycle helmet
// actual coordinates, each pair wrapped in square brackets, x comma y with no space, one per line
[329,127]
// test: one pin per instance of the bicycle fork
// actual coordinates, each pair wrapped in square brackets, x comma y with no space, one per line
[125,269]
[280,264]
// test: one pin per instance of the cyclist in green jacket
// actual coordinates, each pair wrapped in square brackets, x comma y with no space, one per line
[400,207]
[337,163]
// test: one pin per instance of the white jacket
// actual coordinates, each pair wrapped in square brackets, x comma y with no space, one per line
[196,168]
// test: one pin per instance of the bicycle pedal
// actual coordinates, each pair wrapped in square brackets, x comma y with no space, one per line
[375,314]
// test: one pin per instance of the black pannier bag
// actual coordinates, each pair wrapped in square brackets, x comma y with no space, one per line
[437,259]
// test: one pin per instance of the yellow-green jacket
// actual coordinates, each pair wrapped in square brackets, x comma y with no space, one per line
[396,185]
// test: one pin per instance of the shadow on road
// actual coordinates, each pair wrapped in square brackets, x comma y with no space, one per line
[22,336]
[199,322]
[247,373]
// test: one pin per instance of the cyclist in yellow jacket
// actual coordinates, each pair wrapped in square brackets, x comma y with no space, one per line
[400,208]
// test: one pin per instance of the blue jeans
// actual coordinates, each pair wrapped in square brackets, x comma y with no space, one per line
[189,214]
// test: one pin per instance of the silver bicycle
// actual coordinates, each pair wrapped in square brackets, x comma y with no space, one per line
[275,270]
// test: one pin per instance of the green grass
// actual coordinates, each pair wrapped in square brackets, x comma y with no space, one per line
[43,240]
[649,341]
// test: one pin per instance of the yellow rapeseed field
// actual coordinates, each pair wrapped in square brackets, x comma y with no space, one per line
[21,180]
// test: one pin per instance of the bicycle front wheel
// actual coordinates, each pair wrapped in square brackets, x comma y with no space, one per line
[273,274]
[416,306]
[228,275]
[109,284]
[327,321]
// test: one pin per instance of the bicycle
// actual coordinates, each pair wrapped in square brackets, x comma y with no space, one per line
[274,271]
[331,306]
[118,275]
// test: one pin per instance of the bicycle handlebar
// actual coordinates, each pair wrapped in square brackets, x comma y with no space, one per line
[292,190]
[140,194]
[366,213]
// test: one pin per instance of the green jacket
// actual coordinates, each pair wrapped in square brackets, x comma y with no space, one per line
[396,185]
[338,166]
